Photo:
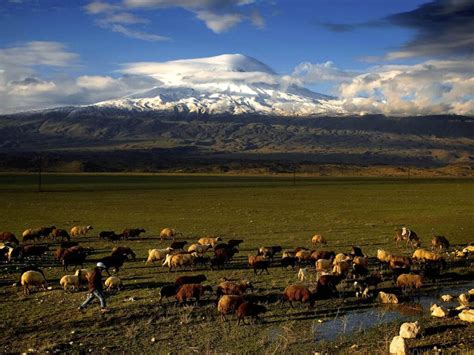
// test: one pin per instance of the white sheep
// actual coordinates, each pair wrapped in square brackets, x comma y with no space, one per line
[157,254]
[438,312]
[302,274]
[387,298]
[80,230]
[32,279]
[199,248]
[323,265]
[113,282]
[464,299]
[467,315]
[73,281]
[446,298]
[398,346]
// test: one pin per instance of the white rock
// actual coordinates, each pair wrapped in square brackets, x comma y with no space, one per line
[437,311]
[409,330]
[398,346]
[447,298]
[467,315]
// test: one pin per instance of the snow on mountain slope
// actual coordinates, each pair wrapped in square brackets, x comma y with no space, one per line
[229,83]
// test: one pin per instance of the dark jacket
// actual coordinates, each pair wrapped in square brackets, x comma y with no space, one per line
[95,280]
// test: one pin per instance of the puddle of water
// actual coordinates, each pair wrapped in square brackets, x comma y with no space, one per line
[359,320]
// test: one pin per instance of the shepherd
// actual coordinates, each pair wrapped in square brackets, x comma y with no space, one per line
[96,289]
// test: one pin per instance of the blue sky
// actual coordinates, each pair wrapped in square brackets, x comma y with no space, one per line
[362,36]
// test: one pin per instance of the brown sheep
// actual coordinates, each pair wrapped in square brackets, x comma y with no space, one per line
[228,304]
[303,255]
[326,285]
[189,291]
[399,261]
[252,259]
[8,237]
[261,265]
[132,232]
[34,250]
[60,233]
[322,254]
[409,281]
[439,242]
[248,309]
[123,250]
[233,288]
[297,293]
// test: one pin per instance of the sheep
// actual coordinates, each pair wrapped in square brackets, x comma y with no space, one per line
[464,299]
[233,288]
[194,279]
[439,242]
[269,252]
[289,261]
[9,237]
[32,278]
[383,257]
[73,281]
[37,233]
[410,281]
[168,233]
[398,346]
[198,248]
[228,304]
[288,254]
[303,255]
[114,261]
[60,233]
[302,274]
[132,232]
[34,250]
[80,230]
[423,255]
[318,239]
[110,236]
[73,256]
[360,266]
[468,250]
[387,298]
[298,293]
[248,309]
[261,265]
[322,254]
[123,250]
[179,260]
[341,268]
[326,285]
[226,254]
[83,275]
[252,259]
[178,245]
[157,254]
[212,241]
[323,265]
[113,282]
[356,251]
[188,291]
[201,260]
[340,257]
[168,291]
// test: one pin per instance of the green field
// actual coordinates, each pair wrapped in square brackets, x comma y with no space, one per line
[259,210]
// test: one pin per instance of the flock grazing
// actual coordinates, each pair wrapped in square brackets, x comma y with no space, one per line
[321,273]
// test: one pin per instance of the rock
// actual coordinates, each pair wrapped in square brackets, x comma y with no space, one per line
[409,330]
[437,311]
[387,298]
[464,299]
[446,298]
[398,346]
[467,315]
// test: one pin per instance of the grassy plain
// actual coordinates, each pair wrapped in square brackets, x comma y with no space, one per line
[260,210]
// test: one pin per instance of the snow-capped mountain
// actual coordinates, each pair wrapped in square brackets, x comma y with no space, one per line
[229,83]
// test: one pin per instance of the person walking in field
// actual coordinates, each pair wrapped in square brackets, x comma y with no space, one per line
[96,289]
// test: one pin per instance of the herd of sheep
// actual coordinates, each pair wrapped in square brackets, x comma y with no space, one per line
[324,270]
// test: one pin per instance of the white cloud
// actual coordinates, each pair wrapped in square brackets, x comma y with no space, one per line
[219,23]
[96,82]
[431,87]
[137,34]
[310,73]
[37,53]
